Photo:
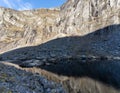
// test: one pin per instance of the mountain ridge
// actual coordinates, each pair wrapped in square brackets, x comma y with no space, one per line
[77,46]
[79,18]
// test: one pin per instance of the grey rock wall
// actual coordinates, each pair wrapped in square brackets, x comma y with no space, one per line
[96,21]
[86,16]
[80,28]
[26,28]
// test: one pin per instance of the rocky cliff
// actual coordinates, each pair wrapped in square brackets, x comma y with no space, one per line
[21,28]
[57,42]
[85,16]
[95,20]
[96,23]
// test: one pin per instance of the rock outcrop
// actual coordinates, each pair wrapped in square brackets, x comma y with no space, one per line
[98,21]
[85,16]
[56,40]
[23,28]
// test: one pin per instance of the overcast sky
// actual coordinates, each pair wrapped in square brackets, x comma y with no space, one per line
[30,4]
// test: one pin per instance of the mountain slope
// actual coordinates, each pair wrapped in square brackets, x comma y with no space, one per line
[21,28]
[75,45]
[86,16]
[98,20]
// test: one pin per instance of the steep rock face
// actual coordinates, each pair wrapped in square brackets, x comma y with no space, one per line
[92,27]
[97,21]
[85,27]
[85,16]
[21,28]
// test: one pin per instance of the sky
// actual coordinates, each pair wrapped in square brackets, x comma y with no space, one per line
[30,4]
